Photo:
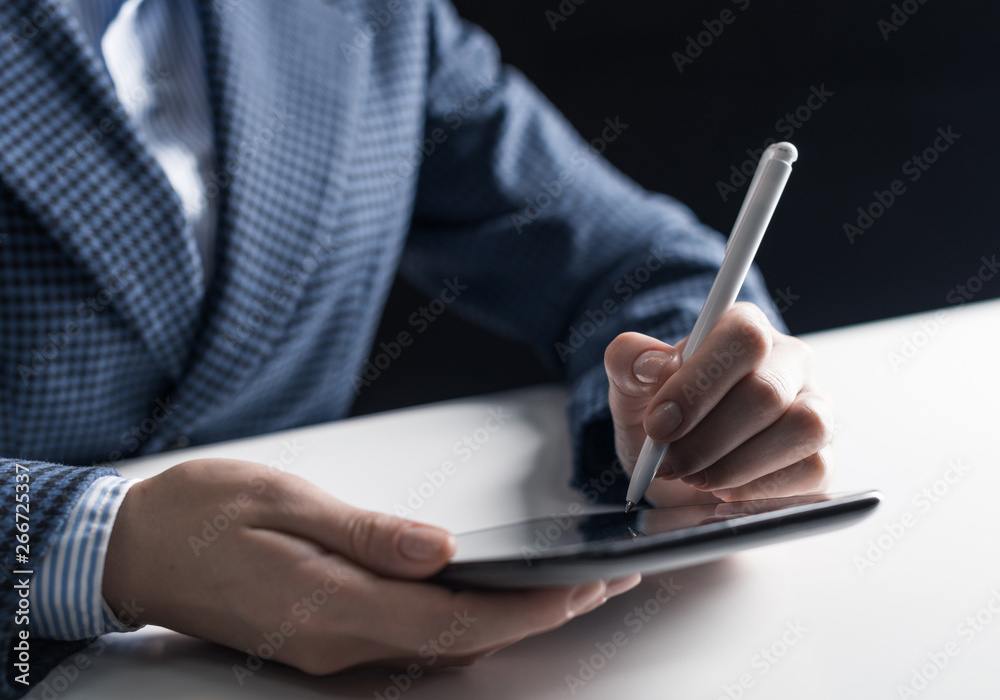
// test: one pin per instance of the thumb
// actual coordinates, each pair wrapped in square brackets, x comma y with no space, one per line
[388,545]
[381,543]
[637,366]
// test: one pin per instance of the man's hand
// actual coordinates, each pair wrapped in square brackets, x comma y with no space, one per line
[243,555]
[742,415]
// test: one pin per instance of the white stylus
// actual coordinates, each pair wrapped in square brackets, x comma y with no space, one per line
[762,197]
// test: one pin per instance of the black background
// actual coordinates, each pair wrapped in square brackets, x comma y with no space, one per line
[615,58]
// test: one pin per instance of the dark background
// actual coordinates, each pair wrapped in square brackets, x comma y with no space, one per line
[686,129]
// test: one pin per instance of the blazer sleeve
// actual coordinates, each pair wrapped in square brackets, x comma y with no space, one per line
[50,492]
[546,241]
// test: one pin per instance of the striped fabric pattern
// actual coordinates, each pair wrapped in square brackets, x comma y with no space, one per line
[66,591]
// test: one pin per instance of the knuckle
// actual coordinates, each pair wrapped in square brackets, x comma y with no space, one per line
[751,332]
[361,534]
[617,349]
[811,423]
[775,485]
[812,475]
[769,393]
[819,472]
[805,350]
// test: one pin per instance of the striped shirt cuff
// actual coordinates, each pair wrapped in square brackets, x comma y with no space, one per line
[66,593]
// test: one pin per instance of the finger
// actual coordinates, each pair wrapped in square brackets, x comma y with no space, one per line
[622,585]
[755,403]
[804,429]
[636,365]
[739,344]
[427,617]
[810,475]
[381,543]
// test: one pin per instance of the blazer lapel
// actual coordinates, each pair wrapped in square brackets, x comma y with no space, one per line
[68,150]
[283,112]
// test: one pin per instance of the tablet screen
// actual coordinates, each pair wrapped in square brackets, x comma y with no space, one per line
[570,548]
[602,533]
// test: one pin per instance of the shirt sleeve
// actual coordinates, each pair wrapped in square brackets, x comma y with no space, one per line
[552,245]
[66,592]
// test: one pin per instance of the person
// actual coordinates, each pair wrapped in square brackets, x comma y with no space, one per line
[203,206]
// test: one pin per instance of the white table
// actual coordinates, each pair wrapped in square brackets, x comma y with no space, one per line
[832,630]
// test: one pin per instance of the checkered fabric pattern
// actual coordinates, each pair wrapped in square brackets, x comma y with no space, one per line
[353,138]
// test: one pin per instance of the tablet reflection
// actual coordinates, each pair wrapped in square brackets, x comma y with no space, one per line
[562,534]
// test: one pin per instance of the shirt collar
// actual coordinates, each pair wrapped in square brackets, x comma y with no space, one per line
[95,16]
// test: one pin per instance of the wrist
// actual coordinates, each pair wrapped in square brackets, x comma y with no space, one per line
[122,586]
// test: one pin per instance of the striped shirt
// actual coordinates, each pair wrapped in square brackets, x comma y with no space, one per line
[153,53]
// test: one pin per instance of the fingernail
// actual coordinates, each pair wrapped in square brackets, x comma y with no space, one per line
[424,543]
[664,420]
[723,494]
[585,598]
[648,365]
[697,480]
[621,585]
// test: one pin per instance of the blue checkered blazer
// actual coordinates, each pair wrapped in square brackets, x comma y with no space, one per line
[354,138]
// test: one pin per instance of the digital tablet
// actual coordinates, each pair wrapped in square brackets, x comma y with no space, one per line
[569,549]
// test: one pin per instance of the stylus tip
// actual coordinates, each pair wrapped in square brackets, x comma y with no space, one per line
[628,506]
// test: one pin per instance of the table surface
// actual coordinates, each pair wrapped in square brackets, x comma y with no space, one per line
[908,599]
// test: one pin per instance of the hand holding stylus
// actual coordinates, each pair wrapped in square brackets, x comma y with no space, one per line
[734,401]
